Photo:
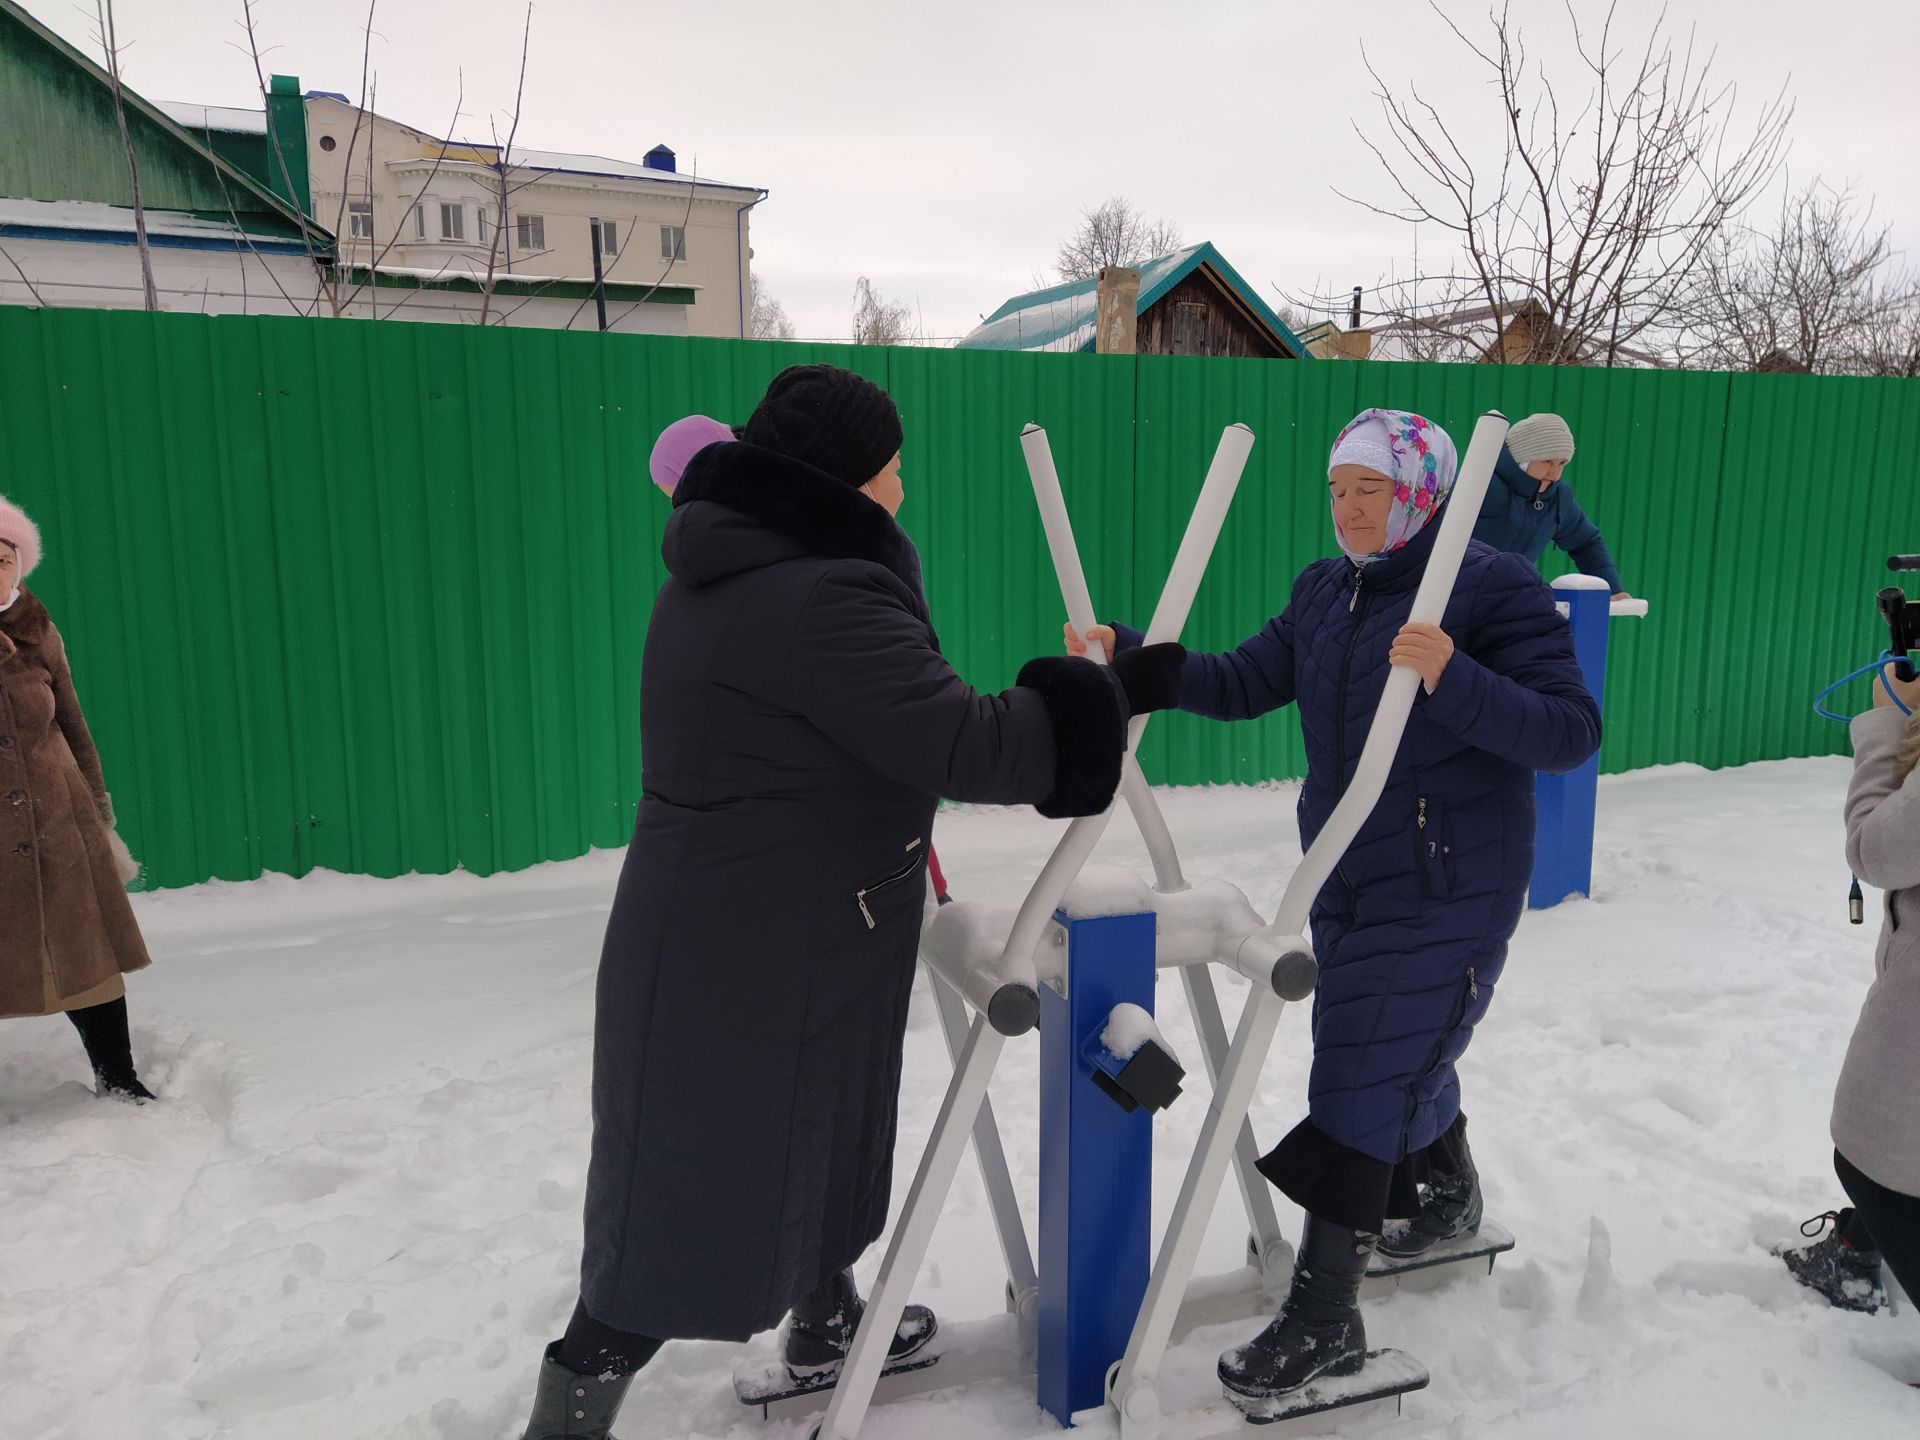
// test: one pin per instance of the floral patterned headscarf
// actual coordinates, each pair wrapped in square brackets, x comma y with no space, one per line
[1416,453]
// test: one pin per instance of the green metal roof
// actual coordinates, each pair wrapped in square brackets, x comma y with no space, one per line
[1061,317]
[59,141]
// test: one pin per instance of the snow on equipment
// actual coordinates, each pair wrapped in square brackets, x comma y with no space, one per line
[1566,805]
[1079,959]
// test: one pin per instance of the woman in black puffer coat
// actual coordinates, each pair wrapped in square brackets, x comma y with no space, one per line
[799,726]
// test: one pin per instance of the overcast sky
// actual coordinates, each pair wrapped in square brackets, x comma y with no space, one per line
[945,149]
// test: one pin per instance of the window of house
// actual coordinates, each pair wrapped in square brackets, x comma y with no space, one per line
[360,219]
[532,233]
[419,222]
[483,227]
[673,242]
[453,222]
[609,236]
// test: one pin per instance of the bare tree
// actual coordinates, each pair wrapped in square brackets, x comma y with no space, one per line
[1809,294]
[770,320]
[1590,219]
[503,161]
[1114,233]
[877,320]
[110,44]
[1890,342]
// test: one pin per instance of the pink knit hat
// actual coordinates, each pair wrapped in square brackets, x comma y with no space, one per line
[679,443]
[21,533]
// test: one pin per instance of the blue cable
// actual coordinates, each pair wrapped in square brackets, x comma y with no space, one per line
[1878,669]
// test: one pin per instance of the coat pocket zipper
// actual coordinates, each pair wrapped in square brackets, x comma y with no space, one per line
[860,896]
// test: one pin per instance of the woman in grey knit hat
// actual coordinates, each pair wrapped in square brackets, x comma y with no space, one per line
[1529,506]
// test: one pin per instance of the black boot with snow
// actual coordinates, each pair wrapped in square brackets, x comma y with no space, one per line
[109,1045]
[823,1325]
[1318,1331]
[567,1406]
[1450,1202]
[1844,1266]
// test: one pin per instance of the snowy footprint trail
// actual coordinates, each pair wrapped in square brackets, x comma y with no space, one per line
[356,1214]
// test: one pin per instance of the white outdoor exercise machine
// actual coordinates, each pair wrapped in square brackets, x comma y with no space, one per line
[1009,969]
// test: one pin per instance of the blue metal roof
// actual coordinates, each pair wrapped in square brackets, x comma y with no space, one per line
[1061,317]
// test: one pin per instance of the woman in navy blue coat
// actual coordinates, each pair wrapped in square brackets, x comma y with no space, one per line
[1411,932]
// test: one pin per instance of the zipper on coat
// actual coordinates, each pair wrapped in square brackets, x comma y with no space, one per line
[1346,670]
[860,896]
[1433,1062]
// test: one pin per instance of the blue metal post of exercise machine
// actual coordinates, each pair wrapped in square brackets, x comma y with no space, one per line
[1565,804]
[1096,1165]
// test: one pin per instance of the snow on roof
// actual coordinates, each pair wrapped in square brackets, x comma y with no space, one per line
[467,267]
[579,164]
[1062,317]
[94,217]
[198,119]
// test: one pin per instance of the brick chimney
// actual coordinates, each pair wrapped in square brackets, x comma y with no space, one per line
[1117,318]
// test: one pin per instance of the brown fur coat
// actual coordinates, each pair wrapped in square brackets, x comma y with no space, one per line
[67,932]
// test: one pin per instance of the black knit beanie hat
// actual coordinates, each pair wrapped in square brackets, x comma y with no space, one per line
[832,419]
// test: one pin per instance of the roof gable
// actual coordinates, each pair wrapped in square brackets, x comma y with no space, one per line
[1061,317]
[65,142]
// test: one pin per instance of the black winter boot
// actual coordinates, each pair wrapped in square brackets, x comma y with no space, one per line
[822,1328]
[1844,1267]
[1318,1330]
[567,1406]
[1450,1202]
[109,1045]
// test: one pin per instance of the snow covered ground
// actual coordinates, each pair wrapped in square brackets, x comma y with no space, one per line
[356,1215]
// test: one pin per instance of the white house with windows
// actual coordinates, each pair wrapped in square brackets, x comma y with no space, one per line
[412,210]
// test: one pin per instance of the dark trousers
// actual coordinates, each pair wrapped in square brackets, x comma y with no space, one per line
[1892,1219]
[590,1348]
[1327,1179]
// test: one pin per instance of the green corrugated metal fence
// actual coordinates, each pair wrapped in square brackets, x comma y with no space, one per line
[371,597]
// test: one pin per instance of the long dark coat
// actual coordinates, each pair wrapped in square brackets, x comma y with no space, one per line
[66,930]
[797,725]
[1411,932]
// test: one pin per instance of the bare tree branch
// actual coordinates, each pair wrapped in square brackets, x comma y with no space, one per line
[501,162]
[279,156]
[7,255]
[110,43]
[375,261]
[685,220]
[246,241]
[1580,238]
[361,120]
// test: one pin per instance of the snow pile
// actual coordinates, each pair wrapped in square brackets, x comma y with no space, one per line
[356,1215]
[1128,1030]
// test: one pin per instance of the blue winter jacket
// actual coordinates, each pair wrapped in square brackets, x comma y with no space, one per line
[1412,930]
[1520,517]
